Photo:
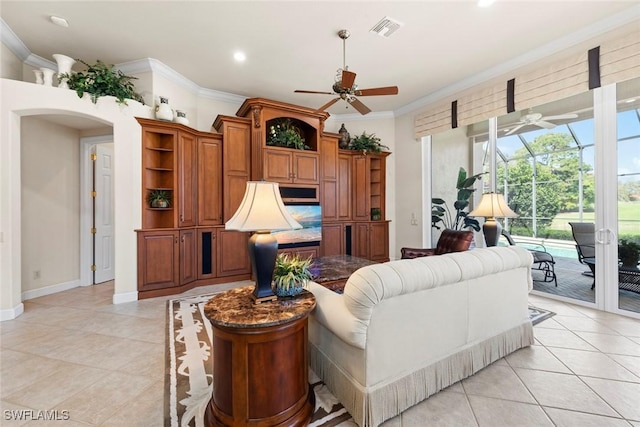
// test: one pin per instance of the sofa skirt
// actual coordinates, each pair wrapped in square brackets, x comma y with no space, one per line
[371,406]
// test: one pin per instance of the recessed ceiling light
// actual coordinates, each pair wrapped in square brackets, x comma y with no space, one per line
[485,3]
[59,21]
[239,56]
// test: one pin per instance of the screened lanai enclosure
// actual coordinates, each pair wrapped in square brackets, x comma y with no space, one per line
[557,177]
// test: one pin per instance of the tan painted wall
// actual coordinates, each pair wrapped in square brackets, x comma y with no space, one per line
[50,177]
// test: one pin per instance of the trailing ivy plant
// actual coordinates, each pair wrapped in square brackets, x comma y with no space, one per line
[101,79]
[285,133]
[442,215]
[365,142]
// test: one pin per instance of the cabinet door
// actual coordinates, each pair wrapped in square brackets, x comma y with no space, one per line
[379,241]
[344,188]
[236,165]
[187,181]
[361,190]
[233,254]
[277,166]
[333,239]
[209,181]
[362,241]
[305,168]
[207,250]
[158,254]
[187,256]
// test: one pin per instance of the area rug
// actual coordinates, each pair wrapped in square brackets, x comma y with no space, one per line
[189,367]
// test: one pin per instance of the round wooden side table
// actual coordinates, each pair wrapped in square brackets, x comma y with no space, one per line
[260,361]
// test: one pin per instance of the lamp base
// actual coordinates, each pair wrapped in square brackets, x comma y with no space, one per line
[491,230]
[263,249]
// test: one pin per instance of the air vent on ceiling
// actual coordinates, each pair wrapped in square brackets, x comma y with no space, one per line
[386,27]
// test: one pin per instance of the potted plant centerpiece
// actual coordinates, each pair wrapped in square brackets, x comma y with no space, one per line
[285,133]
[629,253]
[290,275]
[366,142]
[101,79]
[159,198]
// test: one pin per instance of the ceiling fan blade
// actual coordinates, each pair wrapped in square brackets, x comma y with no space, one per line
[560,117]
[514,129]
[358,105]
[546,125]
[389,90]
[348,78]
[328,104]
[312,91]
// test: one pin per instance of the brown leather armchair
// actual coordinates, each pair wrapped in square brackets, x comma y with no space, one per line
[449,241]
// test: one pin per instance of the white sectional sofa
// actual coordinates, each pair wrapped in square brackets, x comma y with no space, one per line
[406,329]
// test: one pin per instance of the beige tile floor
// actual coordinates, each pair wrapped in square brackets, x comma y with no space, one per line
[74,351]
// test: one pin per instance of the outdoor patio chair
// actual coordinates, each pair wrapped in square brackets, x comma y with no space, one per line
[542,260]
[584,233]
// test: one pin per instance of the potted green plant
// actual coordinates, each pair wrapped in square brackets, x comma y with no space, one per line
[159,198]
[284,133]
[291,274]
[101,79]
[629,253]
[376,214]
[441,214]
[366,142]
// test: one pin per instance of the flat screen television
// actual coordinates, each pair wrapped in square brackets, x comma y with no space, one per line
[309,215]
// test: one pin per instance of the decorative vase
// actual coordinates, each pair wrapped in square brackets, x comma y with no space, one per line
[64,67]
[38,74]
[158,203]
[47,76]
[344,137]
[181,117]
[164,111]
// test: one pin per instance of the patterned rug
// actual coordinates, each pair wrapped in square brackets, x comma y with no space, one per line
[189,368]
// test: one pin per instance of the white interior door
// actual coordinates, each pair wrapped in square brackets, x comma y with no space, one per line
[104,221]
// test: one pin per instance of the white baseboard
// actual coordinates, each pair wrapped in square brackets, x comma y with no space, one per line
[125,297]
[35,293]
[11,313]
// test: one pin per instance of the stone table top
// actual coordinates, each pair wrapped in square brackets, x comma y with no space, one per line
[336,267]
[235,308]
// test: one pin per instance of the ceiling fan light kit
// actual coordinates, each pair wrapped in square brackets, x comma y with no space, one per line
[345,87]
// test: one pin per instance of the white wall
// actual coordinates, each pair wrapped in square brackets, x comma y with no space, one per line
[10,65]
[408,186]
[50,196]
[22,99]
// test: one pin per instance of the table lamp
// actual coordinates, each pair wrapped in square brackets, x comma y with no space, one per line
[262,211]
[492,206]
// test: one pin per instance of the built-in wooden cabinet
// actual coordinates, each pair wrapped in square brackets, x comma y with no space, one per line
[180,246]
[185,244]
[210,181]
[302,252]
[187,176]
[371,240]
[158,260]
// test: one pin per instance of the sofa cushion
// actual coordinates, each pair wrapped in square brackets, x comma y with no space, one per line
[370,285]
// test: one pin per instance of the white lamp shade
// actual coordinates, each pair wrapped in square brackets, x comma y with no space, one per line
[493,205]
[262,209]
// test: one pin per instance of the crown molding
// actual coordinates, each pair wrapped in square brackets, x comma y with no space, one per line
[19,49]
[619,20]
[374,115]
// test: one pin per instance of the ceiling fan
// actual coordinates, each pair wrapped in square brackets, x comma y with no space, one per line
[536,119]
[346,88]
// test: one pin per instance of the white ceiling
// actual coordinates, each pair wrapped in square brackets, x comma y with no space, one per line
[294,45]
